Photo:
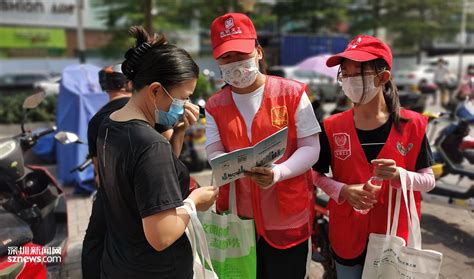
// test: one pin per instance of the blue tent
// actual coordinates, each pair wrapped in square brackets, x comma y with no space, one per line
[80,97]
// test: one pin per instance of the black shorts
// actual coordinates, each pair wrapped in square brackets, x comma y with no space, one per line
[276,263]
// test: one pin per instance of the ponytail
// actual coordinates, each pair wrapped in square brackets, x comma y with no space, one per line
[390,94]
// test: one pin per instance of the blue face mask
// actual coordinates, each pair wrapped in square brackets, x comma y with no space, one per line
[173,115]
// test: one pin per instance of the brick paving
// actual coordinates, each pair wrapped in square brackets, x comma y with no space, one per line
[448,230]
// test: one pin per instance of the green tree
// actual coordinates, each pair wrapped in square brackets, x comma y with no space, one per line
[167,16]
[411,24]
[322,16]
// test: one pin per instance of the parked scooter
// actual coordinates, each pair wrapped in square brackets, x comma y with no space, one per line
[71,138]
[33,211]
[321,248]
[453,152]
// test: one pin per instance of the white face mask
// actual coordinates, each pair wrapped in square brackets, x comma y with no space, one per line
[240,74]
[353,88]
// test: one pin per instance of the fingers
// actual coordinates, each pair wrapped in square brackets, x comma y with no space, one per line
[361,206]
[381,162]
[362,202]
[387,175]
[389,168]
[194,109]
[261,180]
[363,194]
[367,200]
[186,121]
[372,188]
[261,170]
[190,117]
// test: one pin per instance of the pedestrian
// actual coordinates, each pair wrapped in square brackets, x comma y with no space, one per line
[142,183]
[374,138]
[442,80]
[115,84]
[466,85]
[249,108]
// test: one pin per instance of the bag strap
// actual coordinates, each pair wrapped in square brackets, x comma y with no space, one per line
[232,199]
[201,243]
[414,217]
[392,225]
[389,211]
[191,234]
[414,231]
[232,195]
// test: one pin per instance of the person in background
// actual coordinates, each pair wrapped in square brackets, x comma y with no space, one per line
[375,140]
[249,108]
[115,84]
[466,86]
[441,78]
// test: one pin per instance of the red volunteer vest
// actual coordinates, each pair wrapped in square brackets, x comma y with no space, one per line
[349,230]
[292,196]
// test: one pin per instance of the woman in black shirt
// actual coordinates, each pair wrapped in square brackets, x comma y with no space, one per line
[143,184]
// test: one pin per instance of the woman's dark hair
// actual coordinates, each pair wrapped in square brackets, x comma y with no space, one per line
[152,59]
[390,91]
[262,64]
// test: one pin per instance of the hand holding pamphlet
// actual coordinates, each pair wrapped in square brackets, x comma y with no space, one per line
[231,166]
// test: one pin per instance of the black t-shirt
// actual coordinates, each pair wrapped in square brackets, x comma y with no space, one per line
[96,120]
[104,112]
[140,176]
[378,135]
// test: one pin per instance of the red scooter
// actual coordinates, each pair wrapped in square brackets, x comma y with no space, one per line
[33,211]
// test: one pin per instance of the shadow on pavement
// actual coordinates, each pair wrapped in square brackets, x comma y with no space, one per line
[439,231]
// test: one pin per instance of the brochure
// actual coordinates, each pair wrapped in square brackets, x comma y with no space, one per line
[231,166]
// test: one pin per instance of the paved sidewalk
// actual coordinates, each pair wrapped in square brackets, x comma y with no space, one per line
[79,210]
[448,230]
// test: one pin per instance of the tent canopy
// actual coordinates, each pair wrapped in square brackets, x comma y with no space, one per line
[80,97]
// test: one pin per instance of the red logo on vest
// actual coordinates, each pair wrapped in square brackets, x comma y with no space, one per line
[342,149]
[280,117]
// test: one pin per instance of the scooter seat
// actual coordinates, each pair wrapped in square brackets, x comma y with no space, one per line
[13,231]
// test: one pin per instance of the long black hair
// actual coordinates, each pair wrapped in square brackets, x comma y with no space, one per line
[152,59]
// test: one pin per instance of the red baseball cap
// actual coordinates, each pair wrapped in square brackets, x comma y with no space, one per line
[363,48]
[232,32]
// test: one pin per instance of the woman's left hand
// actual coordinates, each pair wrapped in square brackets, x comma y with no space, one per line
[190,116]
[263,177]
[386,169]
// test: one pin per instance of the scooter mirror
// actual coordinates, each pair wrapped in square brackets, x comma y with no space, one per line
[33,101]
[67,138]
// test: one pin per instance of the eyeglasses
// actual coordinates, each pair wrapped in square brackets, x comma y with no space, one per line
[180,101]
[341,75]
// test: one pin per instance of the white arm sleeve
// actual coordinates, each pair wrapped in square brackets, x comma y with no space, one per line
[300,161]
[214,149]
[423,179]
[212,132]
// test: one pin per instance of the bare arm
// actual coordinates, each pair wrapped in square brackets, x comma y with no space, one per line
[164,228]
[176,139]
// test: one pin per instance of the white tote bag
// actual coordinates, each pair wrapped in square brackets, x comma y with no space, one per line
[389,257]
[197,238]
